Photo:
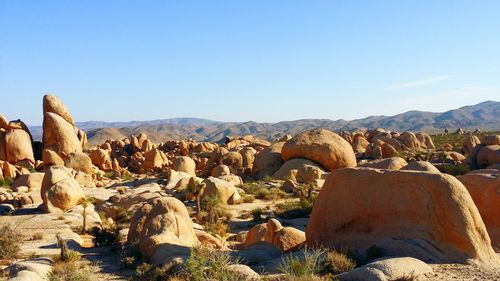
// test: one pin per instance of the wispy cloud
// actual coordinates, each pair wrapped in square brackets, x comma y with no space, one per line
[423,82]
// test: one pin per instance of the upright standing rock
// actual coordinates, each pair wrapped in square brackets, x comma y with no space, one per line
[59,132]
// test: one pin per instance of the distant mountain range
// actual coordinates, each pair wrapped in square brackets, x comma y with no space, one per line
[484,116]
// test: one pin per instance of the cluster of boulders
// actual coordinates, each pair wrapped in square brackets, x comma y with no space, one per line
[482,154]
[61,156]
[380,143]
[420,212]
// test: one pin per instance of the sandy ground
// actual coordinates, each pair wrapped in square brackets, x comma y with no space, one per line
[461,272]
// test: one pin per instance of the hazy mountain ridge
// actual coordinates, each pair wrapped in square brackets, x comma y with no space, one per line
[485,115]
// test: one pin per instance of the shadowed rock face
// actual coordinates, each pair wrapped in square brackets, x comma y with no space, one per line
[406,213]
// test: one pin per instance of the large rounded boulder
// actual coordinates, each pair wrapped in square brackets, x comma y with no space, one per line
[424,215]
[184,164]
[60,191]
[324,147]
[18,146]
[163,231]
[80,162]
[488,155]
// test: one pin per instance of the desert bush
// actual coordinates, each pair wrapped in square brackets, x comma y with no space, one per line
[213,215]
[265,193]
[105,236]
[456,170]
[306,267]
[257,214]
[122,216]
[37,236]
[6,182]
[148,272]
[339,262]
[247,198]
[217,228]
[80,270]
[205,264]
[110,175]
[66,255]
[252,187]
[69,265]
[127,176]
[131,255]
[262,193]
[295,209]
[10,242]
[267,178]
[215,208]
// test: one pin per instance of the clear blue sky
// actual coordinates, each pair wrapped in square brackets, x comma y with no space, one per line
[247,59]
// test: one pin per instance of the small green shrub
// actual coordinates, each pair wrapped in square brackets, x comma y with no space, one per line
[205,264]
[218,228]
[6,182]
[312,263]
[37,236]
[10,242]
[247,198]
[257,214]
[339,262]
[265,193]
[122,216]
[456,170]
[267,178]
[79,270]
[295,209]
[69,265]
[127,176]
[131,255]
[148,272]
[110,175]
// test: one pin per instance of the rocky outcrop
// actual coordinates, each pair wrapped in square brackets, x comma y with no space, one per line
[405,213]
